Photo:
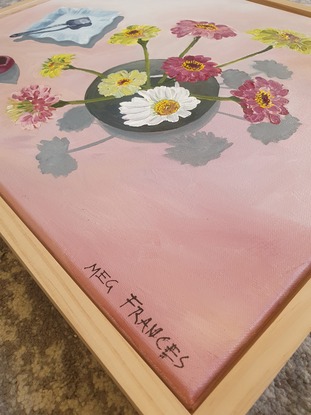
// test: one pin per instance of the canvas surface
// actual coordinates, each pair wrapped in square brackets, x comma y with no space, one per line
[189,239]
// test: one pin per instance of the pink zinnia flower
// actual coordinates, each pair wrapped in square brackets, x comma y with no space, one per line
[204,29]
[32,106]
[190,68]
[262,99]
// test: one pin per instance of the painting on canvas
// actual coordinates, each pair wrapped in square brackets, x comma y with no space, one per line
[161,153]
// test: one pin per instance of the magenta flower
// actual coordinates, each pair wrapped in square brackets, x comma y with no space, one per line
[262,99]
[202,29]
[32,106]
[190,68]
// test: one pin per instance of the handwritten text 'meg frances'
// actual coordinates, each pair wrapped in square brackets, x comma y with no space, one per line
[135,312]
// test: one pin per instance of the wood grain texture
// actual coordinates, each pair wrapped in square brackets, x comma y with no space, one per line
[286,5]
[241,387]
[22,5]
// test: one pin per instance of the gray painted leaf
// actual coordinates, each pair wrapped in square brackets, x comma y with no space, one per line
[197,149]
[273,133]
[75,119]
[11,76]
[273,69]
[234,78]
[54,158]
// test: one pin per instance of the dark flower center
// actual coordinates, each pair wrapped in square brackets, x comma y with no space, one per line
[134,33]
[290,37]
[193,66]
[264,99]
[124,81]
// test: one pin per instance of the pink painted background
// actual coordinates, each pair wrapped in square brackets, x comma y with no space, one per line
[212,251]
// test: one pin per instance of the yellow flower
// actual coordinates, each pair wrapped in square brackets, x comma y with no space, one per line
[122,83]
[283,38]
[53,66]
[132,34]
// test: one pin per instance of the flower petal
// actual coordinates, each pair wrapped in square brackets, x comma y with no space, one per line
[157,105]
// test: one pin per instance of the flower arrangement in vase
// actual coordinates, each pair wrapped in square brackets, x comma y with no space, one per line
[158,95]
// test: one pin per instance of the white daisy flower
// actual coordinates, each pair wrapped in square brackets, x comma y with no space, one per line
[159,104]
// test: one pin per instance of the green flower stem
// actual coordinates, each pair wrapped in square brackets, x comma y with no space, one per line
[143,44]
[194,41]
[61,103]
[181,55]
[100,75]
[245,57]
[162,80]
[210,98]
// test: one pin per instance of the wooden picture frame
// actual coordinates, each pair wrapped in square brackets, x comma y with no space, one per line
[241,386]
[290,6]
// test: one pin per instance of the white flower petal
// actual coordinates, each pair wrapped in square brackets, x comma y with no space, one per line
[132,123]
[148,95]
[160,93]
[184,113]
[191,103]
[173,117]
[150,120]
[140,110]
[137,116]
[170,94]
[136,110]
[183,93]
[157,119]
[134,103]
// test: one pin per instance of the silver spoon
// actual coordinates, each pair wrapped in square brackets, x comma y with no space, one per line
[73,24]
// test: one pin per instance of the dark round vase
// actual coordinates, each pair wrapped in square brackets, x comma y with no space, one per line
[108,111]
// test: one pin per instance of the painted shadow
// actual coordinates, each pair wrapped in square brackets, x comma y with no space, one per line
[11,76]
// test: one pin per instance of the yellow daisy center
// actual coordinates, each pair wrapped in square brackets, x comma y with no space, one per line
[134,33]
[264,99]
[206,26]
[124,81]
[166,107]
[193,66]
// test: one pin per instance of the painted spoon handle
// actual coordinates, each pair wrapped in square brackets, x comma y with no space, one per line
[36,30]
[71,24]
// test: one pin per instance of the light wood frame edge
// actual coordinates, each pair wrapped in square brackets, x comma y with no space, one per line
[286,5]
[235,394]
[17,7]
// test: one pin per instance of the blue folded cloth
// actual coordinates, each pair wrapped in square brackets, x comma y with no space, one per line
[100,20]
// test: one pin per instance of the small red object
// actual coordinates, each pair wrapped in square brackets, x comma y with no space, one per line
[6,62]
